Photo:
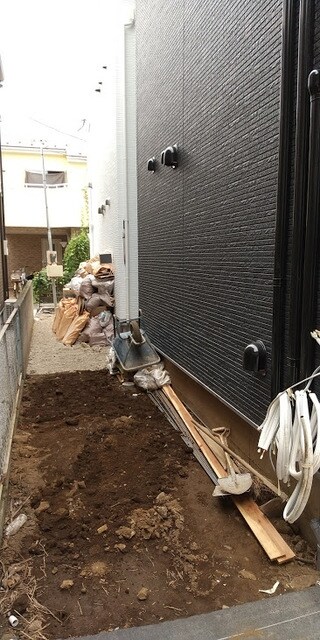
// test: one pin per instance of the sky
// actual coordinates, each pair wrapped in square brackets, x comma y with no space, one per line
[52,56]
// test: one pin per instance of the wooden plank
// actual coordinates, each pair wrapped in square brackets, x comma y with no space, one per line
[259,523]
[270,539]
[186,417]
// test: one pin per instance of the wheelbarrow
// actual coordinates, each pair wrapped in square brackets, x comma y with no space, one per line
[133,348]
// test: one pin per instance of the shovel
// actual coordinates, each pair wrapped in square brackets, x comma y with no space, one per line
[234,483]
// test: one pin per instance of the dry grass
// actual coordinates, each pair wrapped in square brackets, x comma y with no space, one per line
[18,581]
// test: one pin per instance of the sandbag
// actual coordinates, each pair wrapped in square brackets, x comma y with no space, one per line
[95,332]
[57,316]
[83,337]
[98,339]
[69,314]
[86,287]
[94,326]
[100,270]
[61,308]
[106,322]
[75,329]
[93,265]
[107,299]
[74,284]
[93,302]
[104,318]
[98,310]
[152,378]
[104,285]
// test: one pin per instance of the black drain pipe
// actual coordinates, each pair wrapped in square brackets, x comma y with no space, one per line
[310,280]
[282,211]
[305,61]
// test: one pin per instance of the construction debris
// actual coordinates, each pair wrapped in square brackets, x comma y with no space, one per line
[85,312]
[16,524]
[271,591]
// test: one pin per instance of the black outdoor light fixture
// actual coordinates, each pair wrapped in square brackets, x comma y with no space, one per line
[169,157]
[255,358]
[152,165]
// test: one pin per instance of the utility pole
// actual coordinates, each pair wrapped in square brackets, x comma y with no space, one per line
[44,180]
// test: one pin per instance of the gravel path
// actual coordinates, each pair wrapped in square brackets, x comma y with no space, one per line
[47,355]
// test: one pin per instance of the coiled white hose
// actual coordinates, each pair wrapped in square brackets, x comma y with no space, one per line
[291,430]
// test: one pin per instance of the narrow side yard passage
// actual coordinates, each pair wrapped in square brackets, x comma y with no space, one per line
[121,527]
[47,355]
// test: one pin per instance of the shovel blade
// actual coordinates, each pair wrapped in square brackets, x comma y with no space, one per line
[236,485]
[218,493]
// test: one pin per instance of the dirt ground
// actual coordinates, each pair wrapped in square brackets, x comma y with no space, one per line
[121,527]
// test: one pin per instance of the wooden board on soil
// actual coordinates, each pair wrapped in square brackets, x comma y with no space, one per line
[122,529]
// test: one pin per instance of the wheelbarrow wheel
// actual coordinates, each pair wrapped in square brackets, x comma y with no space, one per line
[135,331]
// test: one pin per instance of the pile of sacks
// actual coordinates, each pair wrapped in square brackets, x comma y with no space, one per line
[87,316]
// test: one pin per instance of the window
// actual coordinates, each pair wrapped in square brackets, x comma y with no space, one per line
[53,179]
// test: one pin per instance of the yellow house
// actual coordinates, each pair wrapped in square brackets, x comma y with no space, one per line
[24,202]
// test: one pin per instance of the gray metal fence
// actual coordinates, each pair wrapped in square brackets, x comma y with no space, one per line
[16,323]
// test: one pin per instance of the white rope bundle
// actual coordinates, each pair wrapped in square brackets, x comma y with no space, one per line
[291,431]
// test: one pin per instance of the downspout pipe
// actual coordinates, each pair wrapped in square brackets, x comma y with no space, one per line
[305,61]
[311,250]
[126,222]
[282,207]
[4,261]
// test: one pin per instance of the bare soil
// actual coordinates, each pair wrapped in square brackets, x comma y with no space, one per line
[122,529]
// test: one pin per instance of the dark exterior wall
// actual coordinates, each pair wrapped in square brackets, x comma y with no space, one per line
[208,80]
[317,66]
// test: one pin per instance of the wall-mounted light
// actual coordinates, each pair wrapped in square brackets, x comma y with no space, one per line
[151,165]
[103,208]
[169,157]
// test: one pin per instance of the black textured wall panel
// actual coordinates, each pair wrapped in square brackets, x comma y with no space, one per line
[317,66]
[208,80]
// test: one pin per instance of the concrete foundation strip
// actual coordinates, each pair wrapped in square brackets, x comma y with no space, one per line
[271,541]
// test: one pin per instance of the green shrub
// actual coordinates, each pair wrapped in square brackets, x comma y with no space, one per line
[77,250]
[42,285]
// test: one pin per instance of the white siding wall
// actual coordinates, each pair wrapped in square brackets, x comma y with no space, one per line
[24,206]
[112,166]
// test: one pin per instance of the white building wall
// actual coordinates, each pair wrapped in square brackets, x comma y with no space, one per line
[112,165]
[24,206]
